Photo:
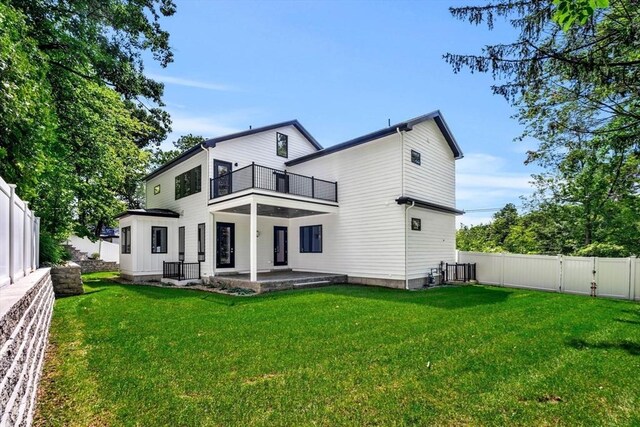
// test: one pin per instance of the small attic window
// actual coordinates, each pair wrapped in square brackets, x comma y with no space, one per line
[415,157]
[282,145]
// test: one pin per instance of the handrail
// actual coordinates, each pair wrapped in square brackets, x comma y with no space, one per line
[266,178]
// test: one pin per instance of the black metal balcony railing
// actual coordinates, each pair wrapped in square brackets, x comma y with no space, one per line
[264,178]
[181,270]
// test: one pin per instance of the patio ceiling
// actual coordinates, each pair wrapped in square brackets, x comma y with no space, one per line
[274,211]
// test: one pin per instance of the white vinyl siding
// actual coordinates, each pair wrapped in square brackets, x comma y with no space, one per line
[365,239]
[192,208]
[434,180]
[261,149]
[435,242]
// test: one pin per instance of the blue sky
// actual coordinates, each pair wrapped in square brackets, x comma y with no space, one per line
[342,68]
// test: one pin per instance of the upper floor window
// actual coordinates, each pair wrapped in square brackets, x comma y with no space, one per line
[415,157]
[311,239]
[126,240]
[282,144]
[158,240]
[189,182]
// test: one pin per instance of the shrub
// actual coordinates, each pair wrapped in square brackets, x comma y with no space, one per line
[51,250]
[94,255]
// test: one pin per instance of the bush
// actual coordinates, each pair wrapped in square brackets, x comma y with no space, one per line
[603,250]
[94,255]
[52,251]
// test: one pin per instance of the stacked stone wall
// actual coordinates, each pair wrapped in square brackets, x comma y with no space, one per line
[25,315]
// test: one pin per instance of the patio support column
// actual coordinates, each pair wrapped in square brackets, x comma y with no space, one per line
[253,242]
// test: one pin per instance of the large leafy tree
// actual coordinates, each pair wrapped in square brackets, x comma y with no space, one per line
[573,75]
[159,156]
[76,109]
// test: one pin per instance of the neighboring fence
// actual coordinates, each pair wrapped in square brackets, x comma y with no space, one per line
[19,236]
[108,251]
[613,277]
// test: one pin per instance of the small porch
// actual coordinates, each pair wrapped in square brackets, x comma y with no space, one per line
[252,235]
[277,280]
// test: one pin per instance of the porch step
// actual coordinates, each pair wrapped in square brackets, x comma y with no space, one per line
[311,284]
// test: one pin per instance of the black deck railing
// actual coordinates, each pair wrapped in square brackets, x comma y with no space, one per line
[181,270]
[459,272]
[264,178]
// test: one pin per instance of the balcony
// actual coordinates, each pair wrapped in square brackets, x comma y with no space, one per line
[264,178]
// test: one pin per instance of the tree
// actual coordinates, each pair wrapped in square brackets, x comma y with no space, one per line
[160,157]
[575,91]
[75,107]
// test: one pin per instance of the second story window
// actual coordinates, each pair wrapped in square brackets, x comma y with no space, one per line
[189,183]
[415,157]
[282,144]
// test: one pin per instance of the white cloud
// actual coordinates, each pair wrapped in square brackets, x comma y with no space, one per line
[482,182]
[190,83]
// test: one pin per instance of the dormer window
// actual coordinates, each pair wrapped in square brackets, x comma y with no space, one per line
[282,145]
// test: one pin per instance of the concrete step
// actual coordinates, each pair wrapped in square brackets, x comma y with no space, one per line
[317,284]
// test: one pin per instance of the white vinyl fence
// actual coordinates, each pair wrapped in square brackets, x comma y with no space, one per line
[108,251]
[614,277]
[19,236]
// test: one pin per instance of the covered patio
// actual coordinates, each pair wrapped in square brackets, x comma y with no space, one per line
[257,204]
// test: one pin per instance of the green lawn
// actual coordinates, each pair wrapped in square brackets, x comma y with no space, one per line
[343,355]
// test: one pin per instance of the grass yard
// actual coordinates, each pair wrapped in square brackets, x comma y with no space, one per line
[343,355]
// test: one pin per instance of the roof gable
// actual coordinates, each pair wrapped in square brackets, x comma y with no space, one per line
[210,143]
[403,126]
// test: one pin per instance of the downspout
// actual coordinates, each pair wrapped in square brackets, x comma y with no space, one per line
[406,244]
[406,211]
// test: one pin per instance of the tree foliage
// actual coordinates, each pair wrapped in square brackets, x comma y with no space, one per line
[76,110]
[160,157]
[575,89]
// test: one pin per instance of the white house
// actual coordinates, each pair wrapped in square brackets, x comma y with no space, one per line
[379,209]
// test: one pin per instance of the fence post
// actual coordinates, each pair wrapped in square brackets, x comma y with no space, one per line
[631,281]
[25,238]
[560,275]
[12,202]
[502,269]
[36,243]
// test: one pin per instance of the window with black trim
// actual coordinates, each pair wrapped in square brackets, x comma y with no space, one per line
[189,183]
[126,240]
[311,239]
[282,144]
[180,243]
[201,242]
[416,224]
[415,157]
[158,240]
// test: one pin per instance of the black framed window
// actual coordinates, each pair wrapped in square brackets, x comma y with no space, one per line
[158,240]
[416,224]
[126,240]
[189,183]
[282,144]
[180,243]
[201,242]
[415,157]
[311,239]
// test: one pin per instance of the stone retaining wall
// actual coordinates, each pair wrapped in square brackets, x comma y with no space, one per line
[67,280]
[25,315]
[95,265]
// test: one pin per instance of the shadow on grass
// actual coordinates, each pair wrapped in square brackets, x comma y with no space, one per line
[449,298]
[631,347]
